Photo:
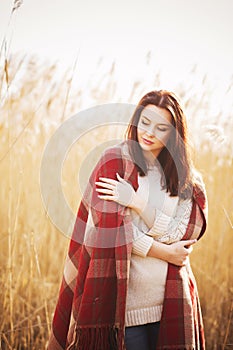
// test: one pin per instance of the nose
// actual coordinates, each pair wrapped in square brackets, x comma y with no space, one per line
[150,130]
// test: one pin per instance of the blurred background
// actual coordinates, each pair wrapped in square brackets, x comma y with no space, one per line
[61,57]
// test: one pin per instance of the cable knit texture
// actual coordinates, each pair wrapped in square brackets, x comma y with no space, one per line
[148,275]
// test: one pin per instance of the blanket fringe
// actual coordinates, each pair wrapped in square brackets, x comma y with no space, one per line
[95,338]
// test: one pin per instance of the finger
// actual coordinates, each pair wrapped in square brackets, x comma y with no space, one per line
[108,180]
[107,198]
[189,249]
[105,191]
[106,185]
[189,242]
[121,178]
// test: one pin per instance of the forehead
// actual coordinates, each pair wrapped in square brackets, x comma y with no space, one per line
[156,114]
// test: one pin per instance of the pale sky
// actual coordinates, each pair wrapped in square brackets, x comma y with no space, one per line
[177,32]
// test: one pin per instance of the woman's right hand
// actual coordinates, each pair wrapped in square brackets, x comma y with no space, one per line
[179,252]
[176,253]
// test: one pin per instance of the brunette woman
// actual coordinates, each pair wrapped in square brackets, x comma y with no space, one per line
[128,283]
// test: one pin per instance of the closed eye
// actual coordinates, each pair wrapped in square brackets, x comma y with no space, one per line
[144,120]
[162,128]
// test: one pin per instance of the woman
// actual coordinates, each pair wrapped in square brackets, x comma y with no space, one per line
[127,282]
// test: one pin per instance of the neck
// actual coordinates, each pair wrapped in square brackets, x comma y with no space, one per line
[150,158]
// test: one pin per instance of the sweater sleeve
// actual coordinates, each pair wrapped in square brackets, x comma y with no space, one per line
[141,242]
[166,229]
[170,229]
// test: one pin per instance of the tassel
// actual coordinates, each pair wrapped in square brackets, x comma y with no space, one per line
[96,338]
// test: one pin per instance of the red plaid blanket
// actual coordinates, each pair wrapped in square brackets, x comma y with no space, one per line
[90,311]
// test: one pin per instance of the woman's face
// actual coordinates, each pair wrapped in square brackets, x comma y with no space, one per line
[154,129]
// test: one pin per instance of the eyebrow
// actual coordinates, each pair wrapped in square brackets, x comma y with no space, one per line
[143,116]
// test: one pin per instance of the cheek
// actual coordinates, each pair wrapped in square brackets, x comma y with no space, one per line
[163,137]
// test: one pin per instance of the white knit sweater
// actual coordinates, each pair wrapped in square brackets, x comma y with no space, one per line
[148,275]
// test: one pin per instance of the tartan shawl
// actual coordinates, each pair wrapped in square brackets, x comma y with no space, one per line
[90,311]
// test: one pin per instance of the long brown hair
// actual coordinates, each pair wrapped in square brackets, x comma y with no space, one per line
[174,158]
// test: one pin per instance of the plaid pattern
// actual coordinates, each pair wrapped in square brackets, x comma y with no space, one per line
[90,311]
[181,322]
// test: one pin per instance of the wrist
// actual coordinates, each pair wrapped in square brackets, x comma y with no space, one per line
[165,251]
[160,251]
[138,203]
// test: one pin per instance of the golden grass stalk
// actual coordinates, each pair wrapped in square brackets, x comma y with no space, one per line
[32,251]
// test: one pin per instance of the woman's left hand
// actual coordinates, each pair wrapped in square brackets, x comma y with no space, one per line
[119,191]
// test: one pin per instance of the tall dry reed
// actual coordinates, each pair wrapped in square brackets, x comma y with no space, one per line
[34,102]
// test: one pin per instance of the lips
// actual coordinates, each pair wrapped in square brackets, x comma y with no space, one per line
[147,142]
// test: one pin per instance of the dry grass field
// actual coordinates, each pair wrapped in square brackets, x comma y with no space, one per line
[32,250]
